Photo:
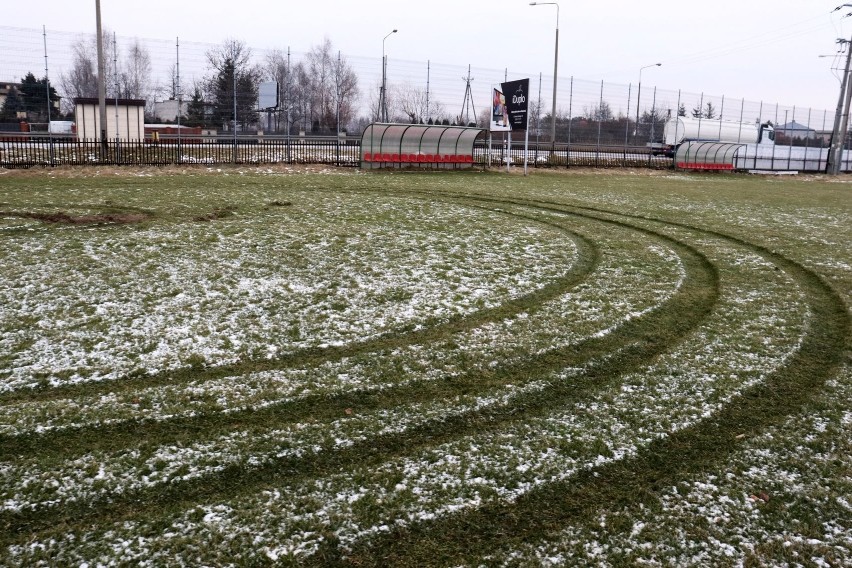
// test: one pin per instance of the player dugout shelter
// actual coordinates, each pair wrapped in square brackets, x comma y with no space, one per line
[707,155]
[418,145]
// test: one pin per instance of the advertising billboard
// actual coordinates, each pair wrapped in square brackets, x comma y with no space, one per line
[499,112]
[516,96]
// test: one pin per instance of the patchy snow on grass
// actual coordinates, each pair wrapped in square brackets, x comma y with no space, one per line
[98,305]
[681,388]
[129,327]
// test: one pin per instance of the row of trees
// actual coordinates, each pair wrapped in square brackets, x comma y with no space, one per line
[127,75]
[320,93]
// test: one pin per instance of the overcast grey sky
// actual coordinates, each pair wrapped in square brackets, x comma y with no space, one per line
[760,50]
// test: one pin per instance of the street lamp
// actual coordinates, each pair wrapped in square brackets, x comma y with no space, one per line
[555,67]
[383,99]
[639,92]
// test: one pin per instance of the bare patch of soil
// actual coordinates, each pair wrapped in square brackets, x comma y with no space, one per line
[60,217]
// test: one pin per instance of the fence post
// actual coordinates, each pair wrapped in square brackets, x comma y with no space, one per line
[600,122]
[570,112]
[626,126]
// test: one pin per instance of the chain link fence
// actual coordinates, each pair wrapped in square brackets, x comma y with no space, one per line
[597,123]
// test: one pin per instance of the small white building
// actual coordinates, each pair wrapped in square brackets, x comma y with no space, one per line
[168,109]
[125,119]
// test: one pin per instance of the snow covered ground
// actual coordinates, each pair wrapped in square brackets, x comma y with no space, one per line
[333,361]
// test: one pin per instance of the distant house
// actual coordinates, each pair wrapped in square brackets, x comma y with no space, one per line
[796,130]
[5,88]
[125,119]
[168,109]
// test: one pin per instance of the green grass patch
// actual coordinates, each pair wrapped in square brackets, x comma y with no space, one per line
[283,366]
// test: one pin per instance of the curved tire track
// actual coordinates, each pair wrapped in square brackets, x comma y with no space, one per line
[467,537]
[636,342]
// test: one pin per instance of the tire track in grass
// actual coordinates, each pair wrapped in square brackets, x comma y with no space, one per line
[114,436]
[468,537]
[428,331]
[627,347]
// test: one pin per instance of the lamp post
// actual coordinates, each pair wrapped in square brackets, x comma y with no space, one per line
[555,68]
[639,93]
[383,97]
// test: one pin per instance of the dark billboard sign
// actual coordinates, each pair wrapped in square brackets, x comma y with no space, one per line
[517,102]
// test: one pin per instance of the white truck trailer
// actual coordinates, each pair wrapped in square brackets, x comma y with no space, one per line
[685,129]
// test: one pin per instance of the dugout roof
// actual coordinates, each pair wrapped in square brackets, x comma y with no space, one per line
[707,155]
[390,145]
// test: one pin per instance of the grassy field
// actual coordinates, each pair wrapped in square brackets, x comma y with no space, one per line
[310,366]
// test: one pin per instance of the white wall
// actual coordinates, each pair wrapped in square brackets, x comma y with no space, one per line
[130,123]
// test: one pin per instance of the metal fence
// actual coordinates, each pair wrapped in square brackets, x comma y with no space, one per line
[597,123]
[31,150]
[629,110]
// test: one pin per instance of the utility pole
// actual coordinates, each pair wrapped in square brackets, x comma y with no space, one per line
[383,93]
[101,79]
[555,69]
[841,117]
[468,99]
[47,88]
[178,92]
[838,133]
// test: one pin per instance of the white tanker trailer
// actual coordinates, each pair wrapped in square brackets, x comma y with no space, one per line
[684,129]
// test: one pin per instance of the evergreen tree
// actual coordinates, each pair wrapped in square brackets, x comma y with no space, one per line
[12,106]
[697,112]
[709,110]
[230,59]
[681,110]
[195,109]
[34,95]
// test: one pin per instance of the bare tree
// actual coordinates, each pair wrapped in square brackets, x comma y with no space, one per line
[413,104]
[345,91]
[277,69]
[534,119]
[134,76]
[331,86]
[411,101]
[302,97]
[600,112]
[173,88]
[81,80]
[294,88]
[438,113]
[319,62]
[373,102]
[483,120]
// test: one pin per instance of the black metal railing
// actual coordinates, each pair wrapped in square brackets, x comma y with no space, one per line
[29,150]
[545,155]
[25,150]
